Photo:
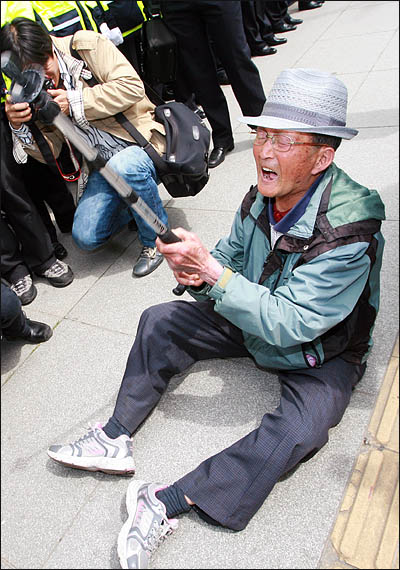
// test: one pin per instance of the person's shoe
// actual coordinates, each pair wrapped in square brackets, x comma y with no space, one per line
[148,260]
[309,5]
[146,527]
[218,155]
[95,451]
[34,333]
[266,50]
[274,41]
[59,274]
[292,21]
[283,27]
[24,289]
[59,250]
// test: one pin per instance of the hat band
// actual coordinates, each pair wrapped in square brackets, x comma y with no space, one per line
[309,118]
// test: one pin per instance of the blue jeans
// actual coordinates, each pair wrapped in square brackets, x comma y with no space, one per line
[12,317]
[101,212]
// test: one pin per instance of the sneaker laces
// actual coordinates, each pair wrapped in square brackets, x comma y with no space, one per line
[91,430]
[22,285]
[149,252]
[157,535]
[56,270]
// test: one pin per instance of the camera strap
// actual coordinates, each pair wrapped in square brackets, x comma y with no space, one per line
[49,157]
[159,163]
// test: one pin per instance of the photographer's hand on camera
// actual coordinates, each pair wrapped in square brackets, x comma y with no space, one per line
[61,98]
[46,109]
[43,109]
[17,113]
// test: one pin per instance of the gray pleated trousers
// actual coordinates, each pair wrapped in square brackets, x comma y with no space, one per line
[232,485]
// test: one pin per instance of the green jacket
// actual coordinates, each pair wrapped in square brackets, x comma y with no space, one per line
[315,295]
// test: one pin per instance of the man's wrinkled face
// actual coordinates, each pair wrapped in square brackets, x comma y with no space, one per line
[286,176]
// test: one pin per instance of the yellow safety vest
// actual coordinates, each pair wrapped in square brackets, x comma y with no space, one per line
[63,18]
[11,10]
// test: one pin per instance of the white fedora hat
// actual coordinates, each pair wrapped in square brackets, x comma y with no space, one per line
[307,101]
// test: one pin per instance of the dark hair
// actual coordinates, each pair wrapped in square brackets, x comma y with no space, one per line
[27,40]
[334,142]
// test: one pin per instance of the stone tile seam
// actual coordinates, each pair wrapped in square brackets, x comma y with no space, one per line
[5,561]
[317,39]
[394,30]
[71,523]
[8,378]
[93,325]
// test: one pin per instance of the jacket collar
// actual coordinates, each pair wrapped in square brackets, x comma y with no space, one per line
[292,217]
[300,221]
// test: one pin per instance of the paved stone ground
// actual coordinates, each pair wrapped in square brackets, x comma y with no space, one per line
[59,518]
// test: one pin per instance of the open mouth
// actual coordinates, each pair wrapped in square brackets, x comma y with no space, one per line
[268,174]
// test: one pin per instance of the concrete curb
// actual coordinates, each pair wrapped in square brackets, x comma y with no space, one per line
[366,532]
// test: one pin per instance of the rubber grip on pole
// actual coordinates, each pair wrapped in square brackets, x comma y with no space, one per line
[179,289]
[170,237]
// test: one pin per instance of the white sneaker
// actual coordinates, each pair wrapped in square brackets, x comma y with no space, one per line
[146,527]
[95,451]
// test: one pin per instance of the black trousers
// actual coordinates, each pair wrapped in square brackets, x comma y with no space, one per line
[193,23]
[276,11]
[269,13]
[24,240]
[251,25]
[47,188]
[232,485]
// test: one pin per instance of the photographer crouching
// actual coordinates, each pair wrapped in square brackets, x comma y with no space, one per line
[100,212]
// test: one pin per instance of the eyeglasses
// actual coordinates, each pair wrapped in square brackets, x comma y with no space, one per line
[281,143]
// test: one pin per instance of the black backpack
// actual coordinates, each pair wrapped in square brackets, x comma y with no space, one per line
[184,168]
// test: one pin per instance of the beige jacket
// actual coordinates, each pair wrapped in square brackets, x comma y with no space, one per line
[120,89]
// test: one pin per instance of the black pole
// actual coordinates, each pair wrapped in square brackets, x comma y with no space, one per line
[65,125]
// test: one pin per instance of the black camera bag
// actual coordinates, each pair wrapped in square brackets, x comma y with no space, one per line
[188,141]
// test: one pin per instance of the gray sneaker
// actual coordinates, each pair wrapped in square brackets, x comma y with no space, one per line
[95,451]
[146,527]
[59,274]
[148,260]
[24,289]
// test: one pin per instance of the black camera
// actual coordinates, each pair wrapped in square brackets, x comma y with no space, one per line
[30,85]
[48,84]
